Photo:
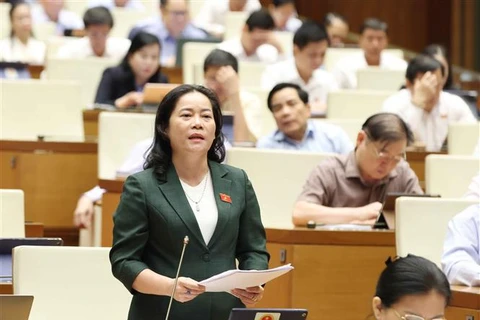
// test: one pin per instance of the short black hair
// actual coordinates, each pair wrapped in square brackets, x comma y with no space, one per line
[309,31]
[375,24]
[387,127]
[97,16]
[421,64]
[438,49]
[411,275]
[302,94]
[260,19]
[279,3]
[163,3]
[331,16]
[220,58]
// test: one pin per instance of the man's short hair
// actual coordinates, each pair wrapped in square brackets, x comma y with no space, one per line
[97,16]
[421,64]
[332,16]
[375,24]
[302,94]
[387,127]
[279,3]
[309,31]
[260,19]
[220,58]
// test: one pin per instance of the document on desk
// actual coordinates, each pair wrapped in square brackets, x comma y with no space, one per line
[242,279]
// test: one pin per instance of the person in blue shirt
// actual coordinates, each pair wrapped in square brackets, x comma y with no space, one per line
[174,23]
[461,250]
[296,131]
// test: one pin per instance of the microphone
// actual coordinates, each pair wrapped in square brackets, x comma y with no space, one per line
[185,242]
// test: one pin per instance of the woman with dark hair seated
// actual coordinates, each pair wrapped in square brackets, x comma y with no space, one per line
[122,86]
[411,288]
[185,190]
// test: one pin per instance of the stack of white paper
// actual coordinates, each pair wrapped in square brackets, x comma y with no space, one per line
[242,279]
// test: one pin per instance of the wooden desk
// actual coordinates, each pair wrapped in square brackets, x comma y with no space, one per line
[110,202]
[465,304]
[52,174]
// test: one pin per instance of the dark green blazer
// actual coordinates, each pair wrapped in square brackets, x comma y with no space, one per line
[150,223]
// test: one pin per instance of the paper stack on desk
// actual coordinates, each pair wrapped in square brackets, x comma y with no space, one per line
[242,279]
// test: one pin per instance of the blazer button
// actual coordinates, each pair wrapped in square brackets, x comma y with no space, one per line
[206,257]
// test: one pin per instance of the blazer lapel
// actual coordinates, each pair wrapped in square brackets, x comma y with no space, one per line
[223,198]
[174,194]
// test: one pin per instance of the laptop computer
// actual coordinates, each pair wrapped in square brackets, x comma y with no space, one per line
[15,307]
[6,247]
[268,314]
[386,218]
[153,93]
[14,70]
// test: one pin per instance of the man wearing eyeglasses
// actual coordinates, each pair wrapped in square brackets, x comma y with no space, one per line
[174,23]
[351,188]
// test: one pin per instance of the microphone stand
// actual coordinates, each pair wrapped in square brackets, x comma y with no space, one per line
[185,242]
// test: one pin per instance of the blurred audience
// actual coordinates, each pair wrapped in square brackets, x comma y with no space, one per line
[337,29]
[373,41]
[211,17]
[53,11]
[122,86]
[257,41]
[285,15]
[96,43]
[21,46]
[174,23]
[110,4]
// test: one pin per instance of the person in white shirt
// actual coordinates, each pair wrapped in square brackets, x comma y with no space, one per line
[20,46]
[96,43]
[285,15]
[211,17]
[110,4]
[461,250]
[424,106]
[52,10]
[257,42]
[373,40]
[337,29]
[310,43]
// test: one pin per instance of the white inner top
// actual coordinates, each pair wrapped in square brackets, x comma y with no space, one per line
[208,214]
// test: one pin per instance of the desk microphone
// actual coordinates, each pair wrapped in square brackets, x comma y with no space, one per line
[185,242]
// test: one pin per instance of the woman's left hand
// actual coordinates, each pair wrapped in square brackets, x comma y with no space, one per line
[249,296]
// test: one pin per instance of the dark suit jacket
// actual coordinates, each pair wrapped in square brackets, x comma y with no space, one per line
[117,82]
[151,221]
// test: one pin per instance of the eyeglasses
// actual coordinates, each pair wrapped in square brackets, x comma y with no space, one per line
[384,156]
[413,317]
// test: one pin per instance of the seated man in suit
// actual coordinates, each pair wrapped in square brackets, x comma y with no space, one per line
[257,42]
[424,106]
[174,23]
[461,251]
[310,43]
[212,15]
[96,43]
[373,40]
[351,188]
[296,131]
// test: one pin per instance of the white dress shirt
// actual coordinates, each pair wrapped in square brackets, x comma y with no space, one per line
[66,19]
[204,195]
[265,53]
[461,251]
[13,50]
[211,17]
[110,4]
[116,48]
[318,86]
[430,128]
[345,71]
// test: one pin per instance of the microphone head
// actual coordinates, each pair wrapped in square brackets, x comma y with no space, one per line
[185,240]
